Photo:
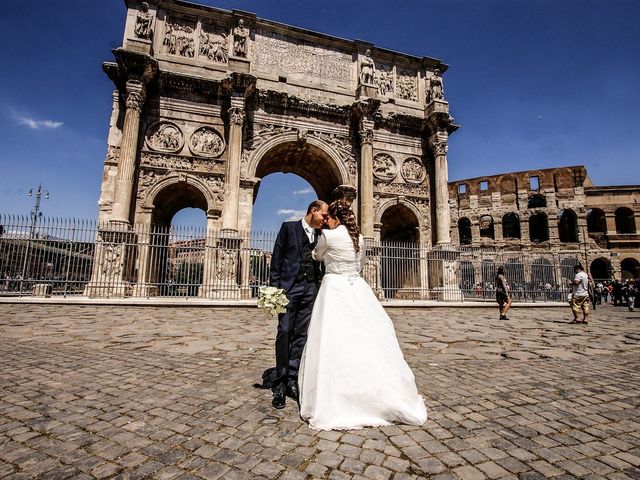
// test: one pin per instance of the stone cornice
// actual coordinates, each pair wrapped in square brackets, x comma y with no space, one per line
[402,121]
[188,84]
[239,84]
[132,66]
[273,99]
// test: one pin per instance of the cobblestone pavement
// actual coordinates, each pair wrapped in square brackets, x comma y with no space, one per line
[136,392]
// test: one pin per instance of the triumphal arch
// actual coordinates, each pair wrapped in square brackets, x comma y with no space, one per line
[208,101]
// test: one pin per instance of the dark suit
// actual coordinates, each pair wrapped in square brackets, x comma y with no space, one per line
[293,270]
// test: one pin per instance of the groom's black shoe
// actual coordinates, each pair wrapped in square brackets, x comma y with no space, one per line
[292,392]
[279,397]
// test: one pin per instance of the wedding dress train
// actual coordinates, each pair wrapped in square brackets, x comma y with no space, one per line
[353,373]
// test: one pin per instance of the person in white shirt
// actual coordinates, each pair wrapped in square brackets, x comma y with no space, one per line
[580,296]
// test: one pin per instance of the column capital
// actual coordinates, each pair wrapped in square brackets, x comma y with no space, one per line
[440,147]
[366,131]
[236,115]
[135,94]
[366,136]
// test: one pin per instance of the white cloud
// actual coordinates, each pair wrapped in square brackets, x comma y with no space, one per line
[304,191]
[38,124]
[291,214]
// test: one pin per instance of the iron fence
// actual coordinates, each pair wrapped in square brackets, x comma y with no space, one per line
[47,256]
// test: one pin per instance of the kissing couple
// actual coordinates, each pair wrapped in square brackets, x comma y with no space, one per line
[337,353]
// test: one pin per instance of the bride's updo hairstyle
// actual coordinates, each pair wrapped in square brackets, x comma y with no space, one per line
[341,210]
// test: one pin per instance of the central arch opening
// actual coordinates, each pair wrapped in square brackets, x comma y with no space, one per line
[307,161]
[292,174]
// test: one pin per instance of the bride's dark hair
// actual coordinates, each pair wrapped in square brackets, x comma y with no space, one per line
[341,210]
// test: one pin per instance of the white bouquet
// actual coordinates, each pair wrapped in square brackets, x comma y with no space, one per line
[272,300]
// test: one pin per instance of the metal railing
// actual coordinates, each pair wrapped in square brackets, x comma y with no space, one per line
[81,257]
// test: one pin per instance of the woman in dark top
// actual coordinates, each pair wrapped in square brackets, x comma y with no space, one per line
[502,294]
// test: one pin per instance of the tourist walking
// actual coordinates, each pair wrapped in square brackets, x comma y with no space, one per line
[580,296]
[502,293]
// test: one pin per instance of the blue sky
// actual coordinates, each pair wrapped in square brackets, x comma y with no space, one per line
[533,84]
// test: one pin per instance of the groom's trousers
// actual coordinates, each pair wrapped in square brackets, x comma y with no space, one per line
[292,330]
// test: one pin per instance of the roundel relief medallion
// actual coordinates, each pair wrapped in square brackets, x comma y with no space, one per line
[206,142]
[164,137]
[384,167]
[413,171]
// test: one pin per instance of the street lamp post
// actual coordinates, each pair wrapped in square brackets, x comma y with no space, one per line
[35,215]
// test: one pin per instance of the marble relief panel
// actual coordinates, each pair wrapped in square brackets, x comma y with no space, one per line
[276,52]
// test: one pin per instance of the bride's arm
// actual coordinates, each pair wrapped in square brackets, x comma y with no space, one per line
[321,248]
[362,253]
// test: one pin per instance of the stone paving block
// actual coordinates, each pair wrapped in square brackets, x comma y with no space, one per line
[338,475]
[316,470]
[492,470]
[293,475]
[372,457]
[168,473]
[468,473]
[396,465]
[375,472]
[349,451]
[629,458]
[353,466]
[212,471]
[106,470]
[431,466]
[532,475]
[545,468]
[267,469]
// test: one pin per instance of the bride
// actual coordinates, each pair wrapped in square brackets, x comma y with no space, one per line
[352,374]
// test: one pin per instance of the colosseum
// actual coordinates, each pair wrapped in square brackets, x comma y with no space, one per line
[554,216]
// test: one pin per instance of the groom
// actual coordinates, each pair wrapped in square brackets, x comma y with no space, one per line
[294,270]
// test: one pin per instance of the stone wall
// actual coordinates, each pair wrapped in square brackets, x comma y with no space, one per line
[563,196]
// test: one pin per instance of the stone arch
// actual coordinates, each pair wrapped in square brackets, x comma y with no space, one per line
[625,221]
[601,269]
[537,200]
[190,184]
[299,152]
[464,231]
[162,266]
[568,226]
[630,268]
[596,221]
[400,249]
[511,225]
[487,227]
[390,203]
[538,227]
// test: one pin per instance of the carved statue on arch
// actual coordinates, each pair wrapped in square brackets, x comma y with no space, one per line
[142,28]
[240,35]
[367,69]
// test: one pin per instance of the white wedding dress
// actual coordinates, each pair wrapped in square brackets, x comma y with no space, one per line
[352,374]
